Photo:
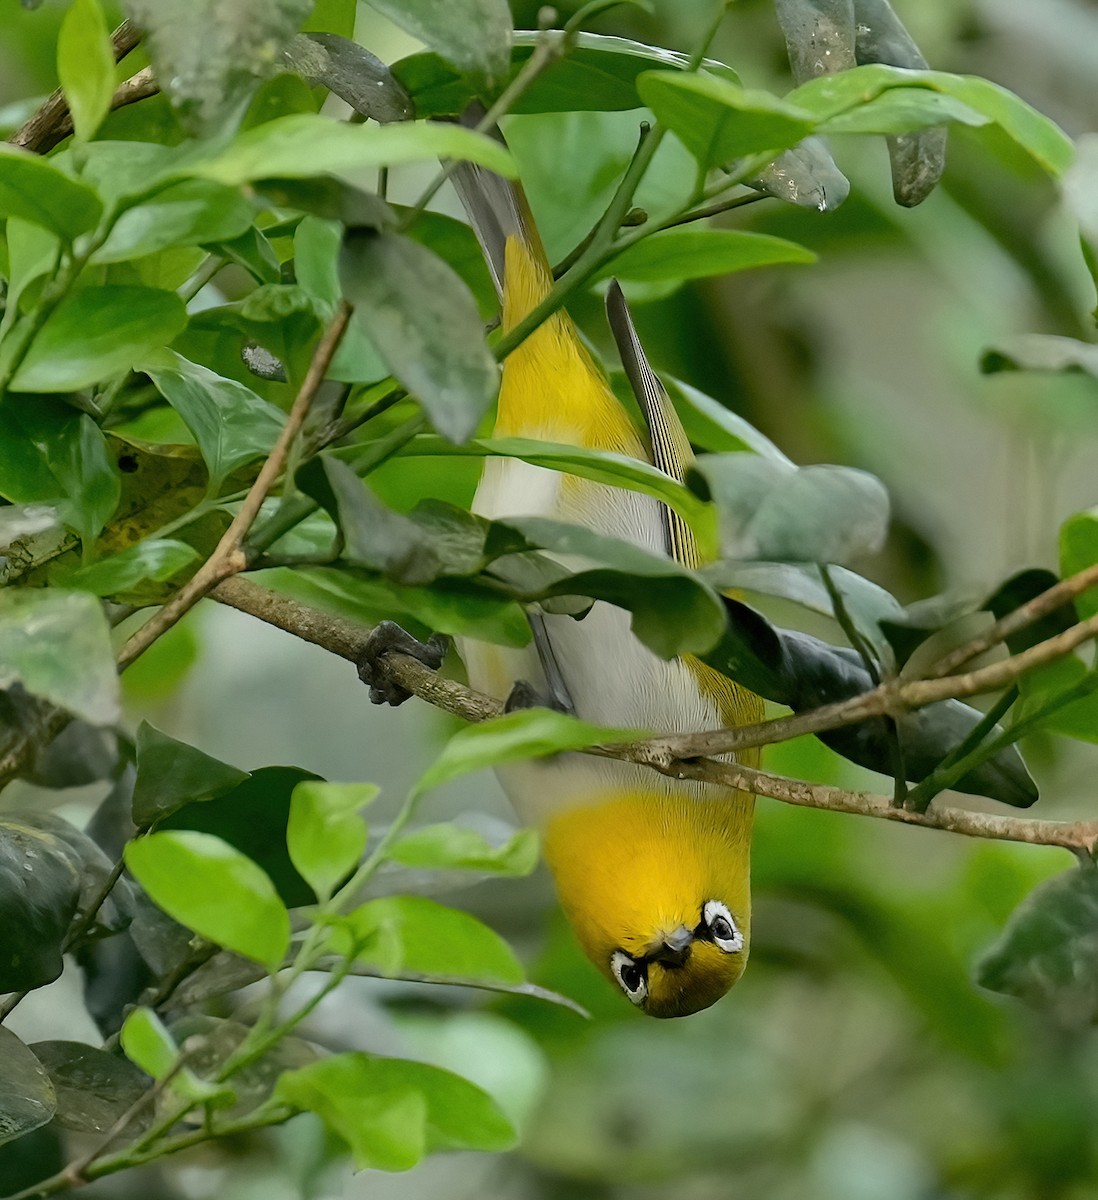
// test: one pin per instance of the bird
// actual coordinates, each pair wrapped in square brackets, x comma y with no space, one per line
[653,873]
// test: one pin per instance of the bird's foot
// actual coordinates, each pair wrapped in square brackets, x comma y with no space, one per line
[387,638]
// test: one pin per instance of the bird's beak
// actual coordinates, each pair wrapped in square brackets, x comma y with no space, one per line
[673,948]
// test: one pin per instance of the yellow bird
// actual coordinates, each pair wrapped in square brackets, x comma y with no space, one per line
[652,873]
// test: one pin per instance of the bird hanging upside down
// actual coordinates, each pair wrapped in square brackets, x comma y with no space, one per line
[653,873]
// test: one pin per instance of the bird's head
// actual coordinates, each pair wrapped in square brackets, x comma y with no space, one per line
[658,894]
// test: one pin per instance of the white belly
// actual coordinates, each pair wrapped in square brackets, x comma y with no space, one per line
[611,677]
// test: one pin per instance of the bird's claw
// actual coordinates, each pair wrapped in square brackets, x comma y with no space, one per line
[385,639]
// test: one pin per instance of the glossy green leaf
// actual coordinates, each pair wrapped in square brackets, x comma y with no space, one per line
[391,1112]
[33,251]
[253,817]
[36,906]
[304,144]
[27,1099]
[157,559]
[447,606]
[211,76]
[673,611]
[412,936]
[52,454]
[325,835]
[718,120]
[425,324]
[903,110]
[34,190]
[57,645]
[829,96]
[1079,550]
[1052,686]
[776,513]
[230,423]
[93,1088]
[207,885]
[600,466]
[452,847]
[148,1044]
[525,733]
[98,332]
[680,254]
[171,773]
[190,213]
[472,35]
[85,66]
[1048,953]
[598,74]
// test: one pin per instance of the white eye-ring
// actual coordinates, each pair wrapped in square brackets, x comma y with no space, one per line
[631,975]
[722,927]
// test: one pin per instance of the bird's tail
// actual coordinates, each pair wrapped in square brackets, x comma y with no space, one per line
[500,215]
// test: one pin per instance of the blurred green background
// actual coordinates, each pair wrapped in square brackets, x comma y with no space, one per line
[857,1059]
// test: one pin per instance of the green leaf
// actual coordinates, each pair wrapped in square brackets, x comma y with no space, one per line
[903,110]
[214,53]
[1075,719]
[451,847]
[325,834]
[85,66]
[191,213]
[93,1088]
[718,120]
[391,1112]
[98,332]
[50,453]
[230,423]
[253,817]
[303,145]
[777,513]
[598,74]
[148,1044]
[454,607]
[1079,550]
[57,645]
[171,774]
[829,96]
[674,612]
[600,466]
[472,35]
[27,1099]
[1048,954]
[425,325]
[207,885]
[1041,352]
[33,252]
[411,935]
[157,559]
[697,253]
[37,906]
[526,733]
[34,190]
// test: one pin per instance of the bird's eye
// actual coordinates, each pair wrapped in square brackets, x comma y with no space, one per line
[721,927]
[631,975]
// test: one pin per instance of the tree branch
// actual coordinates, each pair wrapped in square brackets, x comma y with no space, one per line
[52,121]
[228,557]
[347,639]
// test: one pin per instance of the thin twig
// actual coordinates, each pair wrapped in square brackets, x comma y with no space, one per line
[228,557]
[1055,597]
[52,121]
[347,639]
